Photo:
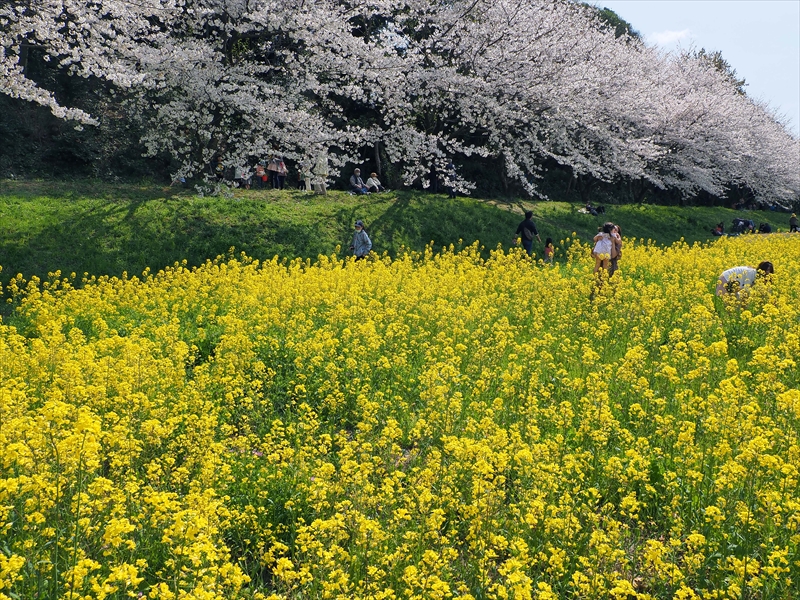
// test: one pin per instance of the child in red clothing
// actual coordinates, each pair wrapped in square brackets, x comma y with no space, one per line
[548,250]
[261,176]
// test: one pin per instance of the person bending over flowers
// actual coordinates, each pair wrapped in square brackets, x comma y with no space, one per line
[736,278]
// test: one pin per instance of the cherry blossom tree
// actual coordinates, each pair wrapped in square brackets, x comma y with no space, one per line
[553,84]
[531,82]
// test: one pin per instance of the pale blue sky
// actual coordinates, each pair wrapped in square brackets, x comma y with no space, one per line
[759,38]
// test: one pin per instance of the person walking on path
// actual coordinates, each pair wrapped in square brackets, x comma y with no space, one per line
[283,171]
[793,225]
[526,231]
[305,176]
[320,173]
[277,171]
[361,245]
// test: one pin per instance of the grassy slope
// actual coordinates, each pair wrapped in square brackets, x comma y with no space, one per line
[107,229]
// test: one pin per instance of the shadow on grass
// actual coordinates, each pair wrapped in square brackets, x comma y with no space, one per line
[107,229]
[414,221]
[99,235]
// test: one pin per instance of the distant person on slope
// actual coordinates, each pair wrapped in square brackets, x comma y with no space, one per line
[549,251]
[616,251]
[357,185]
[261,177]
[737,278]
[320,173]
[374,184]
[526,231]
[361,245]
[793,225]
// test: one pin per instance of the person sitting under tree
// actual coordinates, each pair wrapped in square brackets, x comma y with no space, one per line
[357,185]
[374,184]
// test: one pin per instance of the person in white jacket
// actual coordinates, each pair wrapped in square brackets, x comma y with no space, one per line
[373,184]
[736,278]
[320,173]
[603,247]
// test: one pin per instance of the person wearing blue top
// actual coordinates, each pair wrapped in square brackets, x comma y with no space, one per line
[361,243]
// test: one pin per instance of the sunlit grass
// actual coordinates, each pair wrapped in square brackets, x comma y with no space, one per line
[104,229]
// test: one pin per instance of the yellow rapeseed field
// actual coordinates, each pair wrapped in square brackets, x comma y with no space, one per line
[433,426]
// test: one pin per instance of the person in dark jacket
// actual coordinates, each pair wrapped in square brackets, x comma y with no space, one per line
[526,231]
[357,185]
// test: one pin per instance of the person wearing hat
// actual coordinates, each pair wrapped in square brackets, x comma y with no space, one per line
[793,223]
[357,184]
[374,184]
[361,243]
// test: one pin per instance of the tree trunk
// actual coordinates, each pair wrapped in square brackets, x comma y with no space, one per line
[378,159]
[503,178]
[23,58]
[585,187]
[638,191]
